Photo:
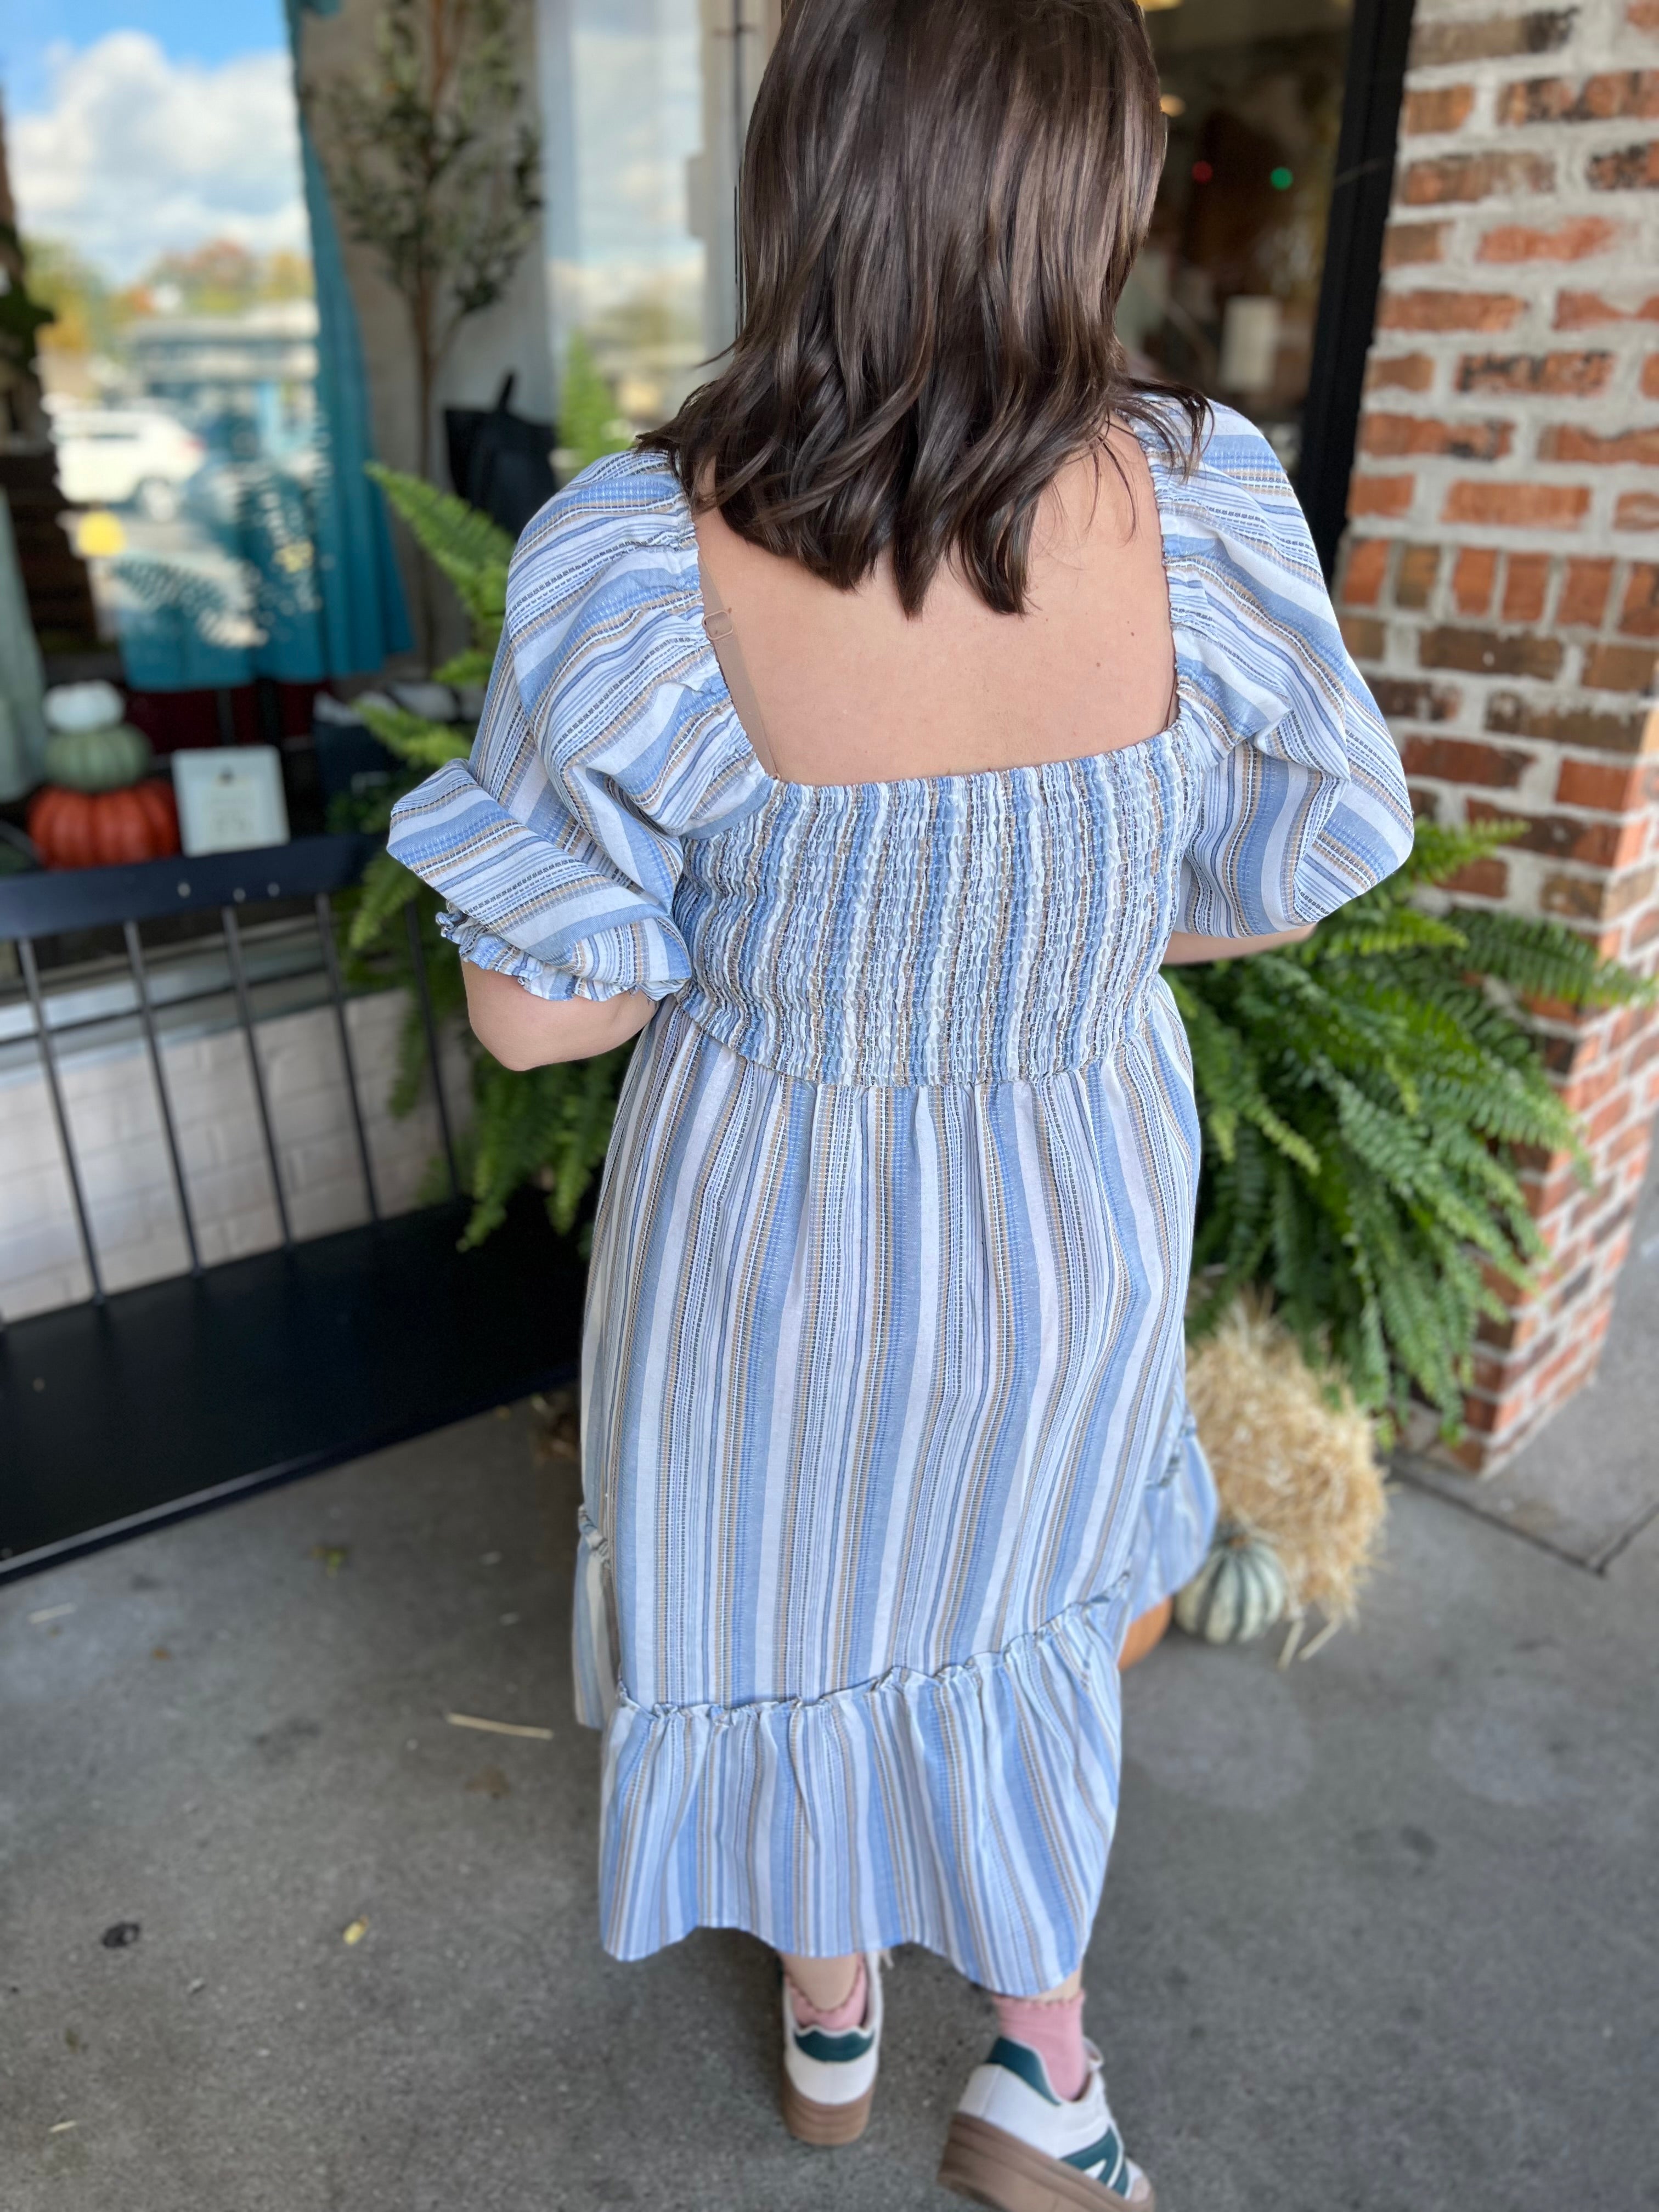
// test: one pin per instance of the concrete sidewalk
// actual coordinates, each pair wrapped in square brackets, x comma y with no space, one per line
[1380,1933]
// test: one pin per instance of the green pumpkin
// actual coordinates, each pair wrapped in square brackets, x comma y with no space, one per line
[106,759]
[1239,1593]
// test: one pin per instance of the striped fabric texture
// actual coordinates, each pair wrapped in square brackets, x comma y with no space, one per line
[884,1439]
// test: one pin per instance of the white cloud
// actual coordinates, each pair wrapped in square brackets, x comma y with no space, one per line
[136,154]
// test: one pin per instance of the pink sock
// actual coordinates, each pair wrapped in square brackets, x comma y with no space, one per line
[1053,2028]
[849,2013]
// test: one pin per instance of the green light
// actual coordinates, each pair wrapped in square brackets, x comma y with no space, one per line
[1280,179]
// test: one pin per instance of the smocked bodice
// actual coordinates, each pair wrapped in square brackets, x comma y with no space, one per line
[614,830]
[954,929]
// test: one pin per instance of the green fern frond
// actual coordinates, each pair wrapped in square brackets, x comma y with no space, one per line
[1392,1045]
[1441,849]
[465,545]
[387,888]
[423,744]
[469,668]
[1544,959]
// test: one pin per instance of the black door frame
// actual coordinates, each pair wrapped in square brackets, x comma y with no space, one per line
[1361,191]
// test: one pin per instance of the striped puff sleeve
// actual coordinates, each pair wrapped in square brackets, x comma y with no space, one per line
[606,740]
[1303,803]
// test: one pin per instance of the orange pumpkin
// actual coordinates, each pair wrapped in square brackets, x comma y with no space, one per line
[100,828]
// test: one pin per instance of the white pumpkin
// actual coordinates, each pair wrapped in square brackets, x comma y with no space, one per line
[91,705]
[1239,1593]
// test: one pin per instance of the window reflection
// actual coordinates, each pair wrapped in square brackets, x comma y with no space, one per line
[645,103]
[161,205]
[1224,293]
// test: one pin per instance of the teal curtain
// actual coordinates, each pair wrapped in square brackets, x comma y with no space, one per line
[363,615]
[321,594]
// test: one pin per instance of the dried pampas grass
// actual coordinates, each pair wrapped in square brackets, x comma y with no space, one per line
[1294,1456]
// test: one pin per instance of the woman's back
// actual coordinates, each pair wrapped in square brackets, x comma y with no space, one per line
[850,690]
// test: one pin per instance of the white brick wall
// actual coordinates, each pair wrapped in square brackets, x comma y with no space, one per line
[111,1098]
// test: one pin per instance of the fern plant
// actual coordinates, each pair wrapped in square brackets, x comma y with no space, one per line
[1364,1096]
[548,1126]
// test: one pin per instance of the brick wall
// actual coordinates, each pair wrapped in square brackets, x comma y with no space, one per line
[110,1100]
[1500,579]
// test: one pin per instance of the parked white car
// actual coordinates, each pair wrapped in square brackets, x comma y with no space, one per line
[125,456]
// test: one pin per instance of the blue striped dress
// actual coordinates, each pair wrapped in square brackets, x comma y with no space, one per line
[884,1440]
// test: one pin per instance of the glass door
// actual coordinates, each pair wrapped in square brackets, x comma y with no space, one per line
[645,104]
[1226,293]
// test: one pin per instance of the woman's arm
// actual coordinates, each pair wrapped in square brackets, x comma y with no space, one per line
[522,1031]
[1185,950]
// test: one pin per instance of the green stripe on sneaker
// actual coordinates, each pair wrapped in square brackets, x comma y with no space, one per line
[1107,2155]
[833,2050]
[1019,2058]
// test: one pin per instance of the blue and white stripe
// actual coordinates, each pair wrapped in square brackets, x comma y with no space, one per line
[884,1439]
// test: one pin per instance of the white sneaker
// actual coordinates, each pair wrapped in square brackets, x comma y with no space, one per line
[830,2078]
[1014,2144]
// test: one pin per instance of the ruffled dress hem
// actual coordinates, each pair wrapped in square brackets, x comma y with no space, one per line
[1007,1761]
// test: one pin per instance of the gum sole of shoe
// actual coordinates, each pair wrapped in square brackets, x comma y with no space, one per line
[828,2125]
[990,2166]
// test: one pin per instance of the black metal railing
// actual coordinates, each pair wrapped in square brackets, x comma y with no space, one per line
[53,905]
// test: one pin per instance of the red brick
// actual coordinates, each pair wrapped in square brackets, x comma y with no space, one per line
[1643,16]
[1578,374]
[1491,653]
[1449,179]
[1596,898]
[1619,668]
[1526,581]
[1571,441]
[1390,437]
[1631,169]
[1403,701]
[1584,593]
[1402,372]
[1613,790]
[1405,244]
[1511,715]
[1639,616]
[1637,510]
[1517,506]
[1650,376]
[1616,1111]
[1387,496]
[1364,570]
[1461,760]
[1575,240]
[1449,311]
[1581,311]
[1599,99]
[1474,577]
[1487,879]
[1491,38]
[1365,637]
[1446,108]
[1420,567]
[1579,1095]
[1559,837]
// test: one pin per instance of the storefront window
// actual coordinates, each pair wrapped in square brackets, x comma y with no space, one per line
[159,192]
[645,103]
[1224,294]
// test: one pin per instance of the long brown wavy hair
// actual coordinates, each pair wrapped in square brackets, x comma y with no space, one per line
[941,201]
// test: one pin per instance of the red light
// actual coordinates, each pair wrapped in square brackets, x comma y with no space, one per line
[1202,173]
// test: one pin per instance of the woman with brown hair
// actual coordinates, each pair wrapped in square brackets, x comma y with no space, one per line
[867,737]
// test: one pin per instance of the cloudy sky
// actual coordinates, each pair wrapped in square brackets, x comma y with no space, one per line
[127,143]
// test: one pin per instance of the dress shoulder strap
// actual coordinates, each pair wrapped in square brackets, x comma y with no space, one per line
[723,636]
